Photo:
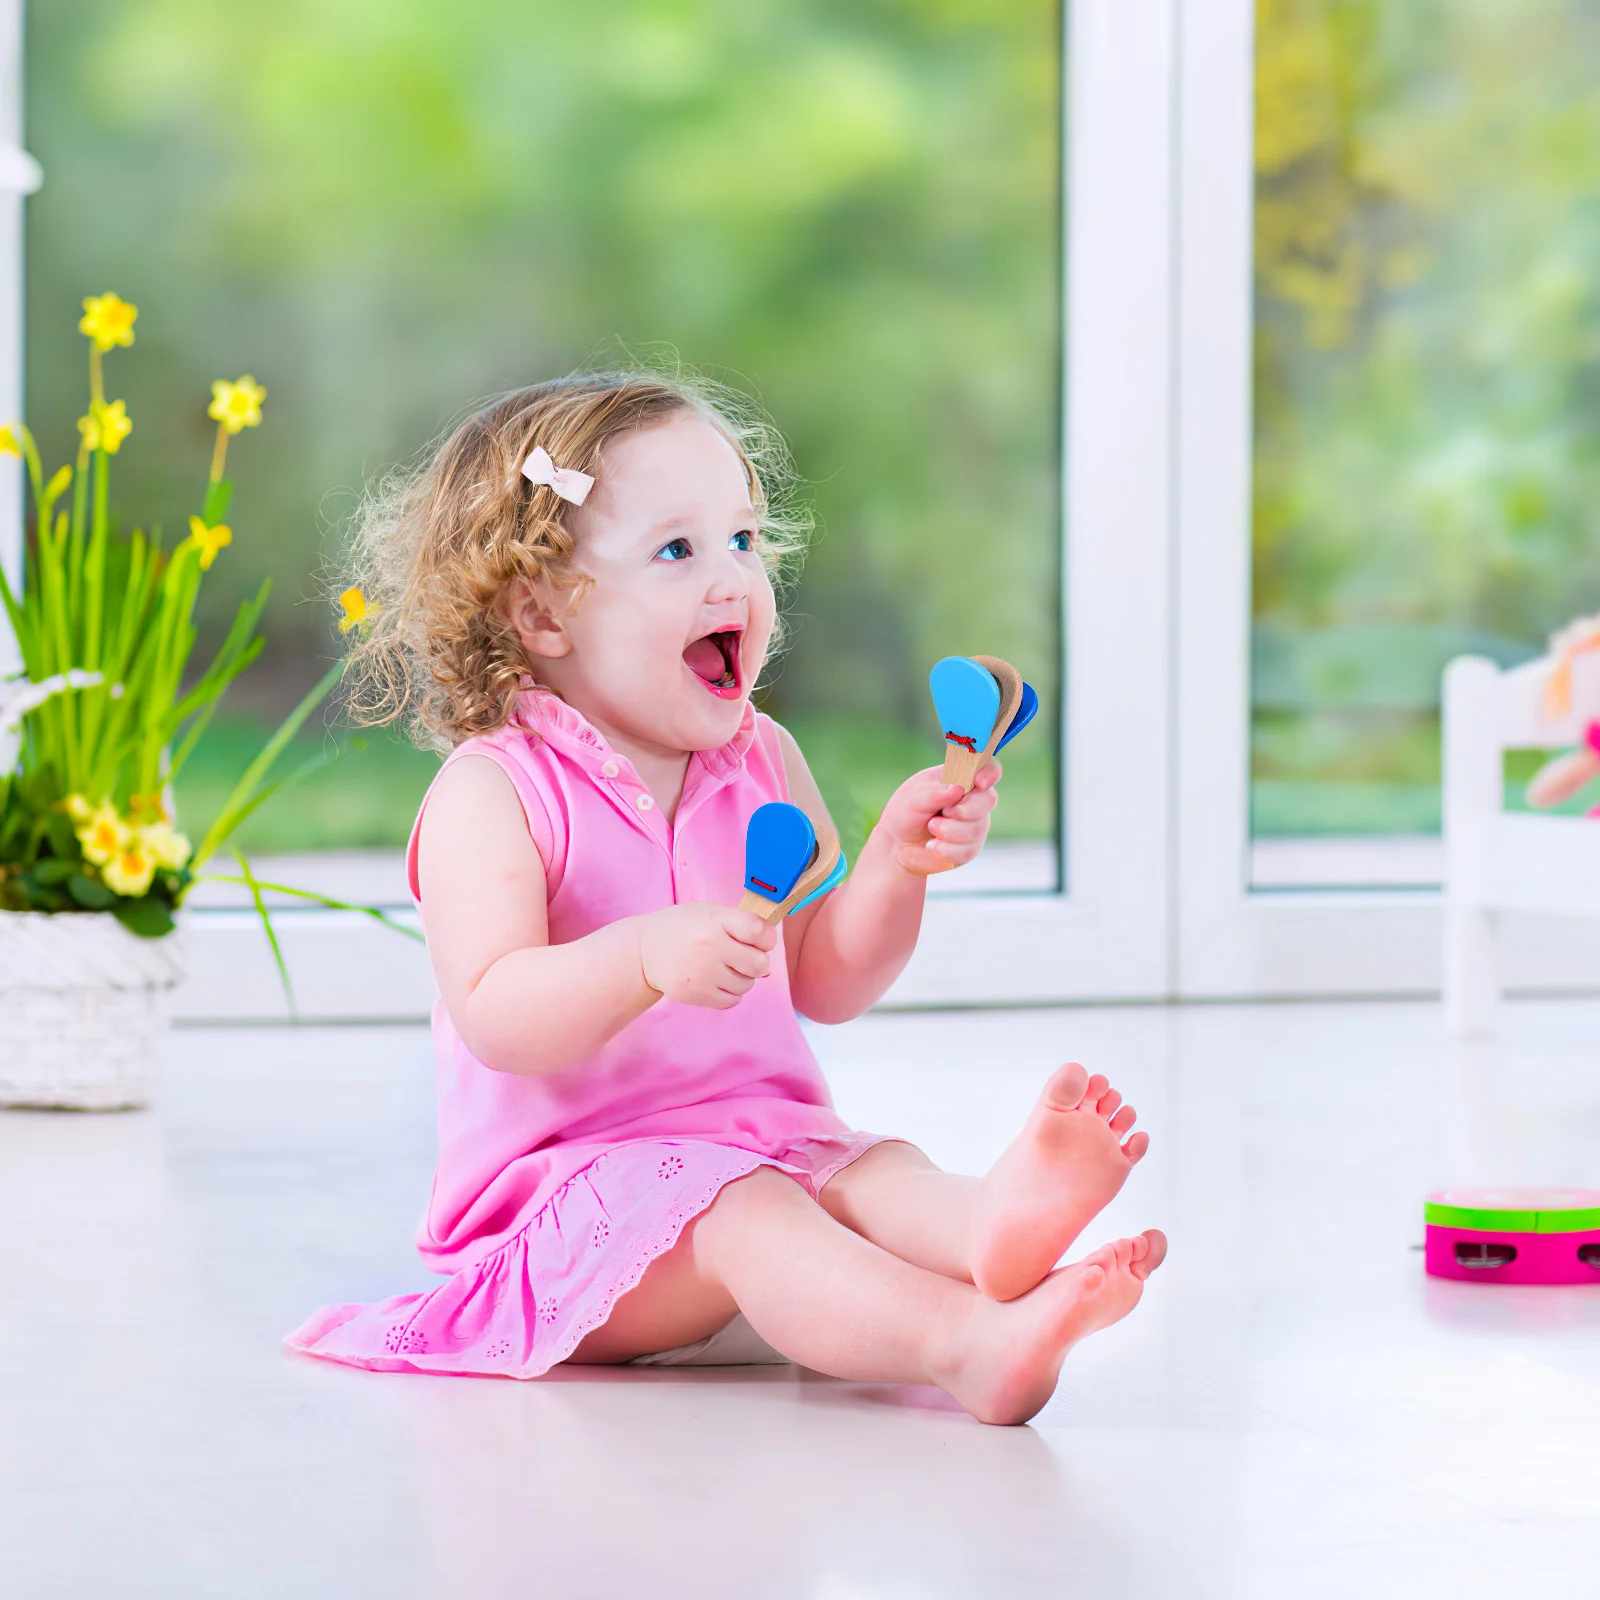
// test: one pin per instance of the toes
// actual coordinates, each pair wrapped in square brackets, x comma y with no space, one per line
[1140,1255]
[1108,1103]
[1097,1087]
[1110,1258]
[1136,1147]
[1155,1253]
[1123,1120]
[1105,1258]
[1066,1088]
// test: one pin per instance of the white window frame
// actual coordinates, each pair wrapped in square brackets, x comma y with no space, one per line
[1105,935]
[1235,939]
[1164,895]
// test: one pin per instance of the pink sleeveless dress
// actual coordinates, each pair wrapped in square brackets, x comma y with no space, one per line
[553,1194]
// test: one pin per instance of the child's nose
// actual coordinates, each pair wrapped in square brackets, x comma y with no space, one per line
[729,580]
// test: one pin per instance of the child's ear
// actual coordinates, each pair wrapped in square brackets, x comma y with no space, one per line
[531,611]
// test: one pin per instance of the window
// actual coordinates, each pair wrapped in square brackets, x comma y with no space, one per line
[1320,379]
[1426,444]
[852,210]
[855,211]
[1379,459]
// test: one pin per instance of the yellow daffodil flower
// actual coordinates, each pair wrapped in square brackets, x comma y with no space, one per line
[78,808]
[10,444]
[356,610]
[115,426]
[143,808]
[108,320]
[106,426]
[103,835]
[208,540]
[130,870]
[236,405]
[166,846]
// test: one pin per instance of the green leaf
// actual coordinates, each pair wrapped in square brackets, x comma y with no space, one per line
[63,836]
[234,808]
[88,893]
[235,653]
[242,814]
[21,627]
[54,870]
[149,918]
[216,506]
[377,913]
[248,878]
[40,896]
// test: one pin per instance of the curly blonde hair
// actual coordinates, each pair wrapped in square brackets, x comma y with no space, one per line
[433,549]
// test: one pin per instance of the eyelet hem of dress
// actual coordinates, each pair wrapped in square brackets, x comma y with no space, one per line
[401,1342]
[659,1242]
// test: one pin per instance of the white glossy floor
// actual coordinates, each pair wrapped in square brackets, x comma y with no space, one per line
[1294,1411]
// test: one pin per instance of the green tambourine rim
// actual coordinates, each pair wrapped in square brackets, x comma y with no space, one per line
[1483,1219]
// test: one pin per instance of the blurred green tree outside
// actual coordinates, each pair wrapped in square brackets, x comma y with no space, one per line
[1427,378]
[388,213]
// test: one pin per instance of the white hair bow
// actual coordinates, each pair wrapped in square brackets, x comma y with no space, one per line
[570,485]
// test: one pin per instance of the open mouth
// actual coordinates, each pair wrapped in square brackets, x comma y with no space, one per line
[714,660]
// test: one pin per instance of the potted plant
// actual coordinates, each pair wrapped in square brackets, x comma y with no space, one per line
[96,721]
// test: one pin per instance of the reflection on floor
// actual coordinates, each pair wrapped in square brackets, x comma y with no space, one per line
[1293,1412]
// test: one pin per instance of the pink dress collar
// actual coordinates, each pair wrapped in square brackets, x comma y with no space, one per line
[548,717]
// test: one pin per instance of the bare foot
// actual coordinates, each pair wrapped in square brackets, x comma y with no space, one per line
[1007,1357]
[1054,1177]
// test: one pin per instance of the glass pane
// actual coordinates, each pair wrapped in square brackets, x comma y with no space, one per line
[1427,441]
[385,214]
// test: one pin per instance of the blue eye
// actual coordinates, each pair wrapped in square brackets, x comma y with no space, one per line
[677,550]
[743,541]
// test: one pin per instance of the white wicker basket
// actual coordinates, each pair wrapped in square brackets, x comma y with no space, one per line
[82,1010]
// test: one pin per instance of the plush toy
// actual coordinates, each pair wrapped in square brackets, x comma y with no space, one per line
[1560,779]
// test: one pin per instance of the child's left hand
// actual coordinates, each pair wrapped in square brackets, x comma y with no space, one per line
[932,827]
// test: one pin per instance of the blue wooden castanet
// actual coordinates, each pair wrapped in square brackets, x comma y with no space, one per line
[1026,712]
[967,699]
[778,846]
[828,885]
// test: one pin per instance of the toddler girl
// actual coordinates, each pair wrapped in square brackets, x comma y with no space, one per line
[638,1157]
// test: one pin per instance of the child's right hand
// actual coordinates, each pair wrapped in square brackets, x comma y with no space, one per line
[705,955]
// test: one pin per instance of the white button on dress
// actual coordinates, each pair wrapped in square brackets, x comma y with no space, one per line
[610,770]
[644,802]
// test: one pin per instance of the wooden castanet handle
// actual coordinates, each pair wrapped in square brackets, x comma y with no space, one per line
[964,759]
[963,763]
[766,909]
